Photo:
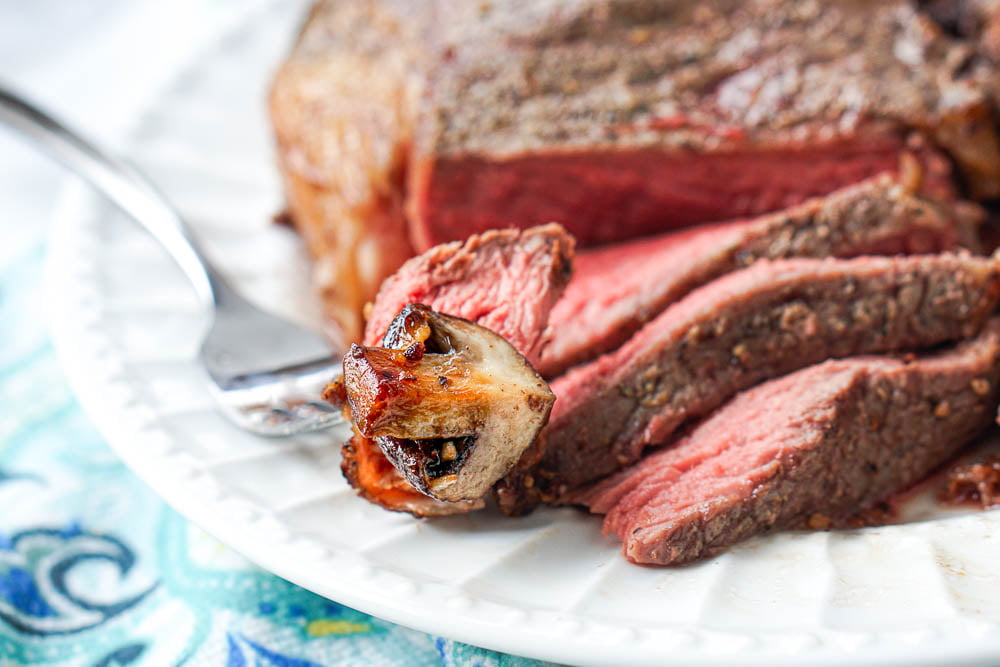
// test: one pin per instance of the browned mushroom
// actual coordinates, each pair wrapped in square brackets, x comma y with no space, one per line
[451,404]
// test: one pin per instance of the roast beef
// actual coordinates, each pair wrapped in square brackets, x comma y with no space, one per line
[822,443]
[617,289]
[507,281]
[746,327]
[405,124]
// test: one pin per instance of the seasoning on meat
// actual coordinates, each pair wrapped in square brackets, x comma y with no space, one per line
[401,124]
[799,449]
[786,314]
[617,289]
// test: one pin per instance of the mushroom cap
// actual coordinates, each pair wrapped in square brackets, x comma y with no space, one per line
[451,404]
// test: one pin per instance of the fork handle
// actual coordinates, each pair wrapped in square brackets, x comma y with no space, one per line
[123,185]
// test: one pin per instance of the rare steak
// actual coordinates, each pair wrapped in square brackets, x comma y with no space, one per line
[506,280]
[617,289]
[748,326]
[823,443]
[401,125]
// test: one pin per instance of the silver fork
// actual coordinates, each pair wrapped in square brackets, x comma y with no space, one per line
[265,372]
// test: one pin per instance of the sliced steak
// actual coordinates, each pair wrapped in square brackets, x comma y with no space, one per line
[822,443]
[615,290]
[413,123]
[507,281]
[746,327]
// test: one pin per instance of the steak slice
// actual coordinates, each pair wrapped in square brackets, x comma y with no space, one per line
[401,124]
[829,440]
[507,281]
[615,290]
[751,325]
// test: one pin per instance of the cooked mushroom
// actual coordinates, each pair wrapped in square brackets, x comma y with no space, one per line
[451,404]
[376,479]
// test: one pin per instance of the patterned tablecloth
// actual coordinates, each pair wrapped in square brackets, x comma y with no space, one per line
[94,568]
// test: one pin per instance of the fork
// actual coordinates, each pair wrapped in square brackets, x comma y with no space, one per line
[265,372]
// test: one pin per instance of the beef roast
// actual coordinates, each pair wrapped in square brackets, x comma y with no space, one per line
[751,325]
[617,289]
[824,442]
[763,104]
[402,123]
[507,281]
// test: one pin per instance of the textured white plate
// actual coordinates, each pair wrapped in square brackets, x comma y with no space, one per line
[549,585]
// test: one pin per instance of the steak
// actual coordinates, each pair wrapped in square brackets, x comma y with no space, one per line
[615,290]
[822,443]
[748,326]
[675,113]
[402,125]
[507,281]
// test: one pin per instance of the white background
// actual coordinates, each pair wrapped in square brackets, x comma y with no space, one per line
[92,63]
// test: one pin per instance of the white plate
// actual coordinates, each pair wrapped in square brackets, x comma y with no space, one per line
[547,586]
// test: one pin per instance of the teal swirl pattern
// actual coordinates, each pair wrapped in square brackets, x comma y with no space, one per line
[36,596]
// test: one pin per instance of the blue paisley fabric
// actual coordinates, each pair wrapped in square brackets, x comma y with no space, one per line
[96,571]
